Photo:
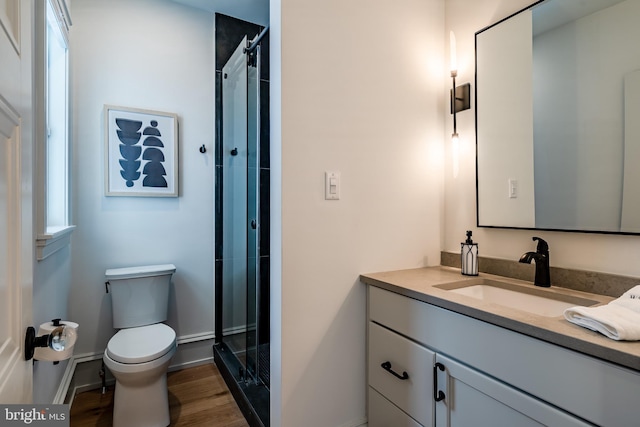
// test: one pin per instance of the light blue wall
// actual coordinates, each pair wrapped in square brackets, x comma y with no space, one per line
[156,55]
[51,284]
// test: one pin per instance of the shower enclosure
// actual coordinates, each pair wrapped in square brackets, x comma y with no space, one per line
[242,299]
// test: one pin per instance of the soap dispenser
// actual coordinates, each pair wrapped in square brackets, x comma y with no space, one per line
[469,256]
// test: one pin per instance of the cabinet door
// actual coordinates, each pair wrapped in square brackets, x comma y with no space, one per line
[474,399]
[402,372]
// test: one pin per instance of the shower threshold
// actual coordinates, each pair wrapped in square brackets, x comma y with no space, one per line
[252,399]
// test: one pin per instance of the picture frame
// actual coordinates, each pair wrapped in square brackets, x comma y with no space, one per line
[141,152]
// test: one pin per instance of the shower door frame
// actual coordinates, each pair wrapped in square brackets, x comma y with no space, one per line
[252,396]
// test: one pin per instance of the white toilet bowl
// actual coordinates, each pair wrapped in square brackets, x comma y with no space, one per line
[139,358]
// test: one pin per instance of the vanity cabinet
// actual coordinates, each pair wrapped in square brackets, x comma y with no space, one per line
[428,366]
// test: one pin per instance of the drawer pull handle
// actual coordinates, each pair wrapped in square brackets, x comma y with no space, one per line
[387,367]
[438,395]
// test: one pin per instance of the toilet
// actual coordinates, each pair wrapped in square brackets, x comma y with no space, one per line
[138,355]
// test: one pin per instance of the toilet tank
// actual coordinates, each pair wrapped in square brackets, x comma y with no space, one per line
[139,295]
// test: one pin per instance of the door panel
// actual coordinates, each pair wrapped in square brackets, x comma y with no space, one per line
[16,227]
[474,399]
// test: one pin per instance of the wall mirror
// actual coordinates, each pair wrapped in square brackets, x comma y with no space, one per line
[558,118]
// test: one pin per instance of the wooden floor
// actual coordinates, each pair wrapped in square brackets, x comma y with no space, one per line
[197,397]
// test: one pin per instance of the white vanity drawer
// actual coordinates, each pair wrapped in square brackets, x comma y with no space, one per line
[383,413]
[407,316]
[392,355]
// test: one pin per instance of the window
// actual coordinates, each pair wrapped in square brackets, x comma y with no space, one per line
[52,127]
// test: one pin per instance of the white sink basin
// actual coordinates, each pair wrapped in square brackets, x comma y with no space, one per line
[540,301]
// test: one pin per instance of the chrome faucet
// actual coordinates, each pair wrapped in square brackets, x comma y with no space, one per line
[541,257]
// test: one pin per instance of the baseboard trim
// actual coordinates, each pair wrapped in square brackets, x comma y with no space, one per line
[193,350]
[191,364]
[87,387]
[185,339]
[64,383]
[67,377]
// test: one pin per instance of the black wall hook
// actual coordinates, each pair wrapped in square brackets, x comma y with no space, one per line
[203,149]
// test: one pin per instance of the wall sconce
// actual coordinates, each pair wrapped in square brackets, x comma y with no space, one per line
[460,96]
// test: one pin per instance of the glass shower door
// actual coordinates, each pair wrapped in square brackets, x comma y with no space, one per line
[234,203]
[241,201]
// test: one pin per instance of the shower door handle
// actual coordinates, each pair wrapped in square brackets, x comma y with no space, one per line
[254,224]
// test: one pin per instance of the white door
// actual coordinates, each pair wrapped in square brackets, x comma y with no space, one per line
[16,199]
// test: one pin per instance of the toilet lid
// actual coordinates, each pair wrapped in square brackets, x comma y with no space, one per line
[141,344]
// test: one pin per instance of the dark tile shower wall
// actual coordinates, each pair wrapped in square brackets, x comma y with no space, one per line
[229,32]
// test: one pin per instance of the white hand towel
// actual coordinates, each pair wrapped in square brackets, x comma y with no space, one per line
[618,320]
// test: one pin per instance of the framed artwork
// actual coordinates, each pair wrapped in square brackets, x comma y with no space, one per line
[141,152]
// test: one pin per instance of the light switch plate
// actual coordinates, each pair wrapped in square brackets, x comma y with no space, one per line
[513,188]
[332,185]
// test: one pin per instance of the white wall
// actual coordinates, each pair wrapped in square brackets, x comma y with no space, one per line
[356,88]
[157,55]
[596,252]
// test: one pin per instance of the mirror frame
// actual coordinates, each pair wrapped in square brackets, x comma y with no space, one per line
[568,230]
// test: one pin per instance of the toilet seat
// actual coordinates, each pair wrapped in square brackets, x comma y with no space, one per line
[141,344]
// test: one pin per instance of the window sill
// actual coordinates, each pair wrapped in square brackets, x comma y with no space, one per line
[53,240]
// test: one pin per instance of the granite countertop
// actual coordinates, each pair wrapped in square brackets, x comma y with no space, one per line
[421,284]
